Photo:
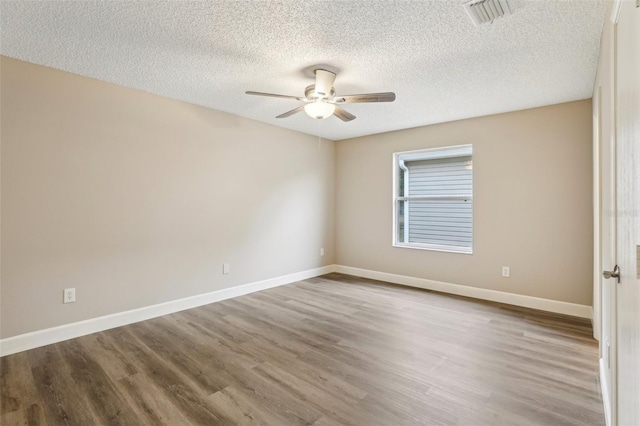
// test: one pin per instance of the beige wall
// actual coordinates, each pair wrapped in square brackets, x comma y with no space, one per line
[135,199]
[532,203]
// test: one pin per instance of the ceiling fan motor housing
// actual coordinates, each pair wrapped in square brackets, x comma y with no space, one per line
[311,93]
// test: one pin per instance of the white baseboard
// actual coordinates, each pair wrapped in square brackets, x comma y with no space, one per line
[48,336]
[548,305]
[605,394]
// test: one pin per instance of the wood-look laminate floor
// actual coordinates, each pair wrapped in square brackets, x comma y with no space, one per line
[334,350]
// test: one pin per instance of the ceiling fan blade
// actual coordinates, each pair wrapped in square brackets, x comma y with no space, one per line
[290,113]
[343,115]
[324,82]
[273,95]
[366,97]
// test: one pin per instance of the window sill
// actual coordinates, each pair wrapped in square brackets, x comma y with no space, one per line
[430,247]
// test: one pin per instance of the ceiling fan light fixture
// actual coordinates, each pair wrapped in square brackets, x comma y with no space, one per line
[319,109]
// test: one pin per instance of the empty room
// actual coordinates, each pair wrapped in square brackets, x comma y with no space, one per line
[320,212]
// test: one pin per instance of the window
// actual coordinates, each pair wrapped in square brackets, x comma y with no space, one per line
[433,199]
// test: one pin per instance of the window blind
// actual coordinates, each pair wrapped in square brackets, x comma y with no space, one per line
[438,200]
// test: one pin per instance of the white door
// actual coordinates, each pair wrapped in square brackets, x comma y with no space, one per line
[628,213]
[607,288]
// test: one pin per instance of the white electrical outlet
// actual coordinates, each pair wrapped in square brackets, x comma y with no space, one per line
[505,271]
[322,252]
[69,295]
[225,268]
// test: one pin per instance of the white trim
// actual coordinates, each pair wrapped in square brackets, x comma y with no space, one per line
[597,207]
[615,11]
[573,309]
[435,153]
[48,336]
[435,247]
[605,394]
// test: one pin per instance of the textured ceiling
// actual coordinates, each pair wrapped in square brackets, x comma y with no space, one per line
[209,53]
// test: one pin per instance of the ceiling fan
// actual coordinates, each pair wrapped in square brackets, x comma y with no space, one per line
[321,100]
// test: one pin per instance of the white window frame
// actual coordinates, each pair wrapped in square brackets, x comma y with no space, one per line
[426,154]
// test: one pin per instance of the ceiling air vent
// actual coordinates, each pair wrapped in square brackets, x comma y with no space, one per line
[486,11]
